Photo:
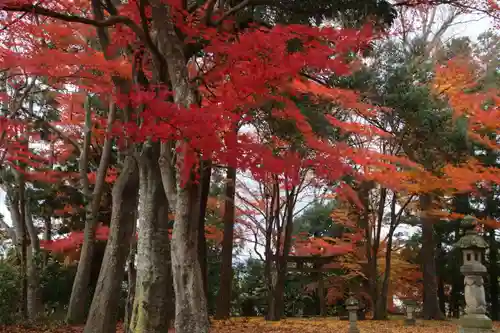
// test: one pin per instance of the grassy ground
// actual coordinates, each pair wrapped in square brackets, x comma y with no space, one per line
[258,325]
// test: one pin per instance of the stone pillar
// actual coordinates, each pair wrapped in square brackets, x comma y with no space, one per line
[410,306]
[352,306]
[473,246]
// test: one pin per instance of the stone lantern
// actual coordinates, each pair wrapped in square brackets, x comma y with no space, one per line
[473,246]
[352,306]
[410,306]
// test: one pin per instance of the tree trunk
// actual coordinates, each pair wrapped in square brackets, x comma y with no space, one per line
[226,271]
[321,294]
[493,272]
[380,310]
[431,308]
[103,310]
[47,236]
[34,296]
[16,209]
[440,262]
[131,277]
[80,291]
[460,205]
[277,305]
[190,300]
[152,302]
[206,174]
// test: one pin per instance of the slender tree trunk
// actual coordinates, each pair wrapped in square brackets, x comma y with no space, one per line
[439,264]
[103,310]
[460,205]
[277,305]
[431,309]
[80,291]
[34,296]
[226,271]
[206,174]
[321,294]
[16,209]
[47,236]
[271,259]
[152,302]
[380,311]
[493,272]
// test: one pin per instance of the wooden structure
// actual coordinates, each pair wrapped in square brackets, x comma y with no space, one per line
[315,266]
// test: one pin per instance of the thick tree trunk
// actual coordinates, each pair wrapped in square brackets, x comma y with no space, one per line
[103,310]
[190,300]
[431,309]
[226,271]
[34,296]
[152,302]
[131,276]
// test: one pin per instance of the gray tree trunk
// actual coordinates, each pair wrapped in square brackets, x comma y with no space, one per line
[152,310]
[103,310]
[80,291]
[33,257]
[131,277]
[191,314]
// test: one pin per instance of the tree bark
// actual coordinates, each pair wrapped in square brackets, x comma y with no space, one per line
[47,236]
[80,291]
[191,314]
[16,209]
[461,205]
[226,271]
[277,305]
[206,174]
[131,277]
[103,310]
[431,309]
[321,294]
[440,262]
[152,302]
[34,296]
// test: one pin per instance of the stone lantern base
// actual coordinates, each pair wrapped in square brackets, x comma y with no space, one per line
[475,323]
[410,322]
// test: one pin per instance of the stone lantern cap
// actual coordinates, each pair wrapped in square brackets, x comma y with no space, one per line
[471,240]
[352,303]
[410,302]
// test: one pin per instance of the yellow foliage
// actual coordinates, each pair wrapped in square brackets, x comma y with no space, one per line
[329,325]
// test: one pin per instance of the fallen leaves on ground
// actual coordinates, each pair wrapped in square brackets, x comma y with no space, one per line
[310,325]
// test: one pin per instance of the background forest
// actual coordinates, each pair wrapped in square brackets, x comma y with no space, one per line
[167,162]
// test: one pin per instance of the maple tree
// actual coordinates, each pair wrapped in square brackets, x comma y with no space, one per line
[166,120]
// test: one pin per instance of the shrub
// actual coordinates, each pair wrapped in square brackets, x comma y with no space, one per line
[9,292]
